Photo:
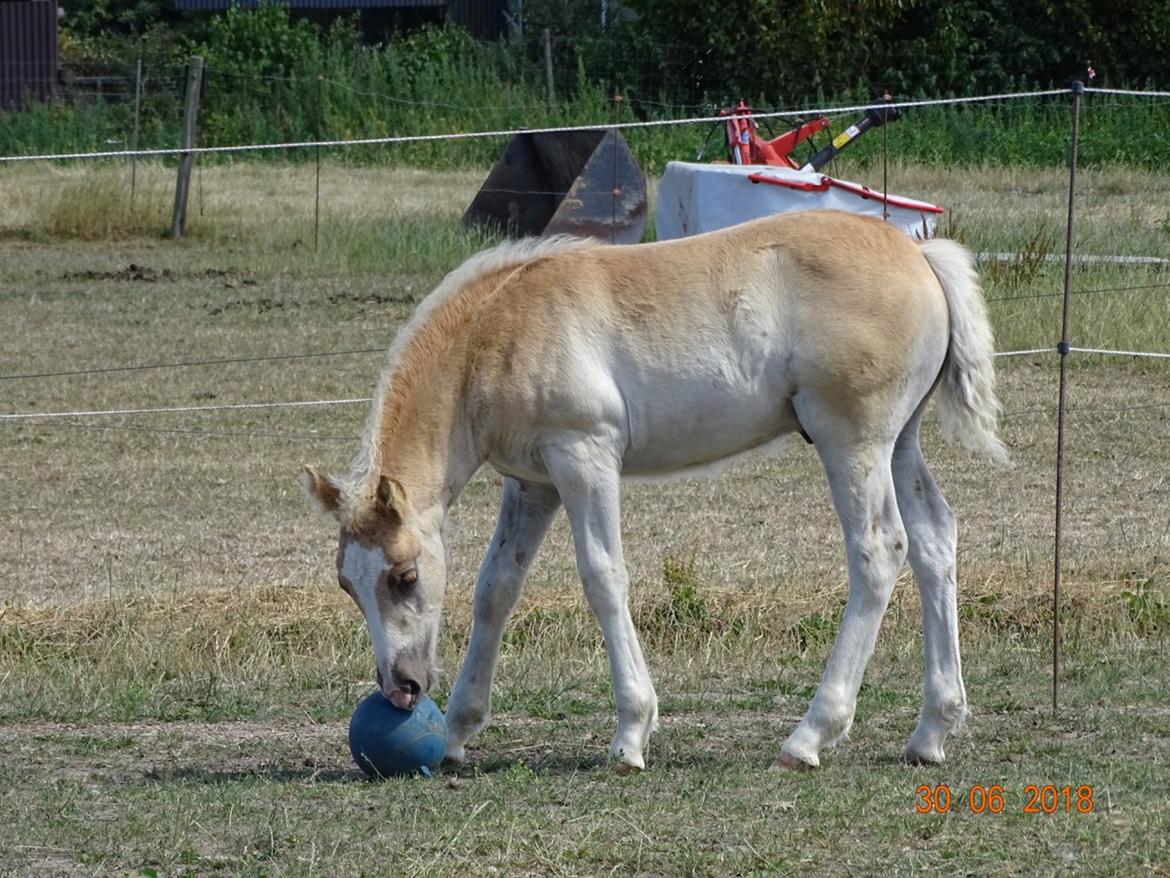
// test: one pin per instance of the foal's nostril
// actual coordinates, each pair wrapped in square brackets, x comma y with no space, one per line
[412,687]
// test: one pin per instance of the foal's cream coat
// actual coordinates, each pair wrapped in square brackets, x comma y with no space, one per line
[567,364]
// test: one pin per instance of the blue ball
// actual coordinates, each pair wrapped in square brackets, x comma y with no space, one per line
[387,741]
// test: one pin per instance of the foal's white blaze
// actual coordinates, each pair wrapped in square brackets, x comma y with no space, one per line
[362,569]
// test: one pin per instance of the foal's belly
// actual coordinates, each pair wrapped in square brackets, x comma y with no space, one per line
[676,425]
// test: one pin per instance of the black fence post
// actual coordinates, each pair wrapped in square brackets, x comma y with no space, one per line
[1078,89]
[617,115]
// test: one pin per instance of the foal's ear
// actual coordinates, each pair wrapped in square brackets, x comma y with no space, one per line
[323,490]
[392,497]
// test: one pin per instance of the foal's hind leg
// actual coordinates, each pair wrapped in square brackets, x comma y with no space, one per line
[875,544]
[526,511]
[930,526]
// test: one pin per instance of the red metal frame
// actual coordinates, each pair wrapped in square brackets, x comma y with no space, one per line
[746,147]
[863,192]
[802,185]
[867,193]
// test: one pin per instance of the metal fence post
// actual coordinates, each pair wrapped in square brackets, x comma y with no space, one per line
[1078,89]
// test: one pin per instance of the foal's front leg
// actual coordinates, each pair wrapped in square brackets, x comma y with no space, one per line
[526,511]
[587,476]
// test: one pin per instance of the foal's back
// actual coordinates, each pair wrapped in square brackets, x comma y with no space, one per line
[688,351]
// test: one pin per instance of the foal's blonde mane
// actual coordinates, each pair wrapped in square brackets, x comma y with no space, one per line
[359,487]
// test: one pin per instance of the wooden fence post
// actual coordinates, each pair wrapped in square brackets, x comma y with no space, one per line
[548,70]
[134,142]
[183,183]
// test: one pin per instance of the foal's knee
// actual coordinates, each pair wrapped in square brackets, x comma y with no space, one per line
[606,584]
[883,550]
[496,593]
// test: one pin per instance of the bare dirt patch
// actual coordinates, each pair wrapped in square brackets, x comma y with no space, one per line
[136,752]
[145,274]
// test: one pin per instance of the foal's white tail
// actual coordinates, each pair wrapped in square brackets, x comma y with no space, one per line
[967,407]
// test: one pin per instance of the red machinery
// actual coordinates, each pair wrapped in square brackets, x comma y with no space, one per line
[696,197]
[746,147]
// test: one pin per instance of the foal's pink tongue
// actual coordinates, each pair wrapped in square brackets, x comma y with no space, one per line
[400,699]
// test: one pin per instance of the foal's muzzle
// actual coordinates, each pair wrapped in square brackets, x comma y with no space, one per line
[404,689]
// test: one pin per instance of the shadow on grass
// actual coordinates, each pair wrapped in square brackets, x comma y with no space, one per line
[548,761]
[530,760]
[275,773]
[534,760]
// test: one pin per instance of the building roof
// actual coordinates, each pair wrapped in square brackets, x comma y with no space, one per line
[311,4]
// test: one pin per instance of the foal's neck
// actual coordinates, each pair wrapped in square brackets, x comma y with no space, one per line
[426,440]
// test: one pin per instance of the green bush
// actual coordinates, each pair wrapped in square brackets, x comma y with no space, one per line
[273,78]
[259,42]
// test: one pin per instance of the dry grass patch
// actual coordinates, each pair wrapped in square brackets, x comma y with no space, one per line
[106,507]
[172,641]
[228,654]
[228,202]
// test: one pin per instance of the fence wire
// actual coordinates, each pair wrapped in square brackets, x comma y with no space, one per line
[34,418]
[511,132]
[188,364]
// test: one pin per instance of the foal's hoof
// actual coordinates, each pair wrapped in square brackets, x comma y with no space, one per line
[455,757]
[924,749]
[792,762]
[624,769]
[914,757]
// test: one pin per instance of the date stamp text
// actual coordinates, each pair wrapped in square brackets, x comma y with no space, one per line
[994,799]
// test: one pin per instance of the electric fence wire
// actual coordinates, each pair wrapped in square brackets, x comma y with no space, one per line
[182,409]
[210,434]
[186,364]
[1126,289]
[1091,411]
[510,132]
[10,417]
[228,361]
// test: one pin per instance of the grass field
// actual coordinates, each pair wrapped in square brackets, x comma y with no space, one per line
[177,663]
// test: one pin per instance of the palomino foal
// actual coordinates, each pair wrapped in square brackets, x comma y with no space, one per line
[565,364]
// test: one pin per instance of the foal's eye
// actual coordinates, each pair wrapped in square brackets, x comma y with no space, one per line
[404,580]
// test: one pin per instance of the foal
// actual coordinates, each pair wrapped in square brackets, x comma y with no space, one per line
[565,364]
